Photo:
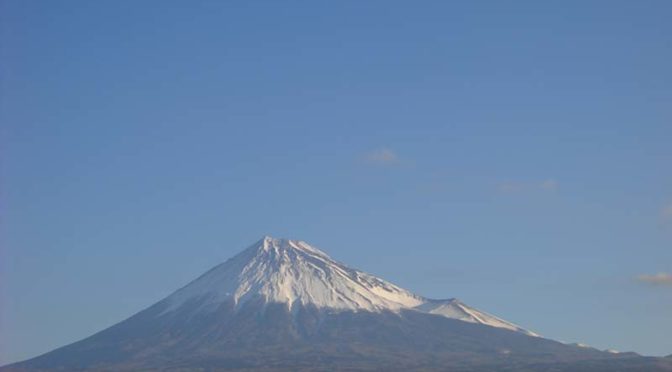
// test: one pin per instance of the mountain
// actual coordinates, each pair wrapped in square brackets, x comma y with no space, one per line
[294,273]
[283,305]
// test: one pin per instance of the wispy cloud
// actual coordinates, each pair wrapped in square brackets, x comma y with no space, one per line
[510,187]
[549,184]
[660,279]
[665,218]
[382,156]
[666,212]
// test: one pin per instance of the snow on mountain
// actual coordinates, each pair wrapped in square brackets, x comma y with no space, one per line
[581,345]
[291,271]
[294,272]
[455,309]
[282,305]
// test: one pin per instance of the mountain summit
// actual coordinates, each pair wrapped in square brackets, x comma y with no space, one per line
[284,305]
[293,272]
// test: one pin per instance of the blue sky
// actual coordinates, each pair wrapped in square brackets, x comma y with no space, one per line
[516,156]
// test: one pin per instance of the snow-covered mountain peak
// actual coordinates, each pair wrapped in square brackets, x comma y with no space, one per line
[456,309]
[292,272]
[279,245]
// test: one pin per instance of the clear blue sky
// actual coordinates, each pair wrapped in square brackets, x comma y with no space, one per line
[516,156]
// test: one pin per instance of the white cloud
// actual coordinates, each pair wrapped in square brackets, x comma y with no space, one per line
[656,279]
[382,156]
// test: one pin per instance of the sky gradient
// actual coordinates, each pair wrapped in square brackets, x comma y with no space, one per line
[517,157]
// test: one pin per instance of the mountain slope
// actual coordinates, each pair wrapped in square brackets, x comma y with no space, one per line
[292,272]
[284,305]
[455,309]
